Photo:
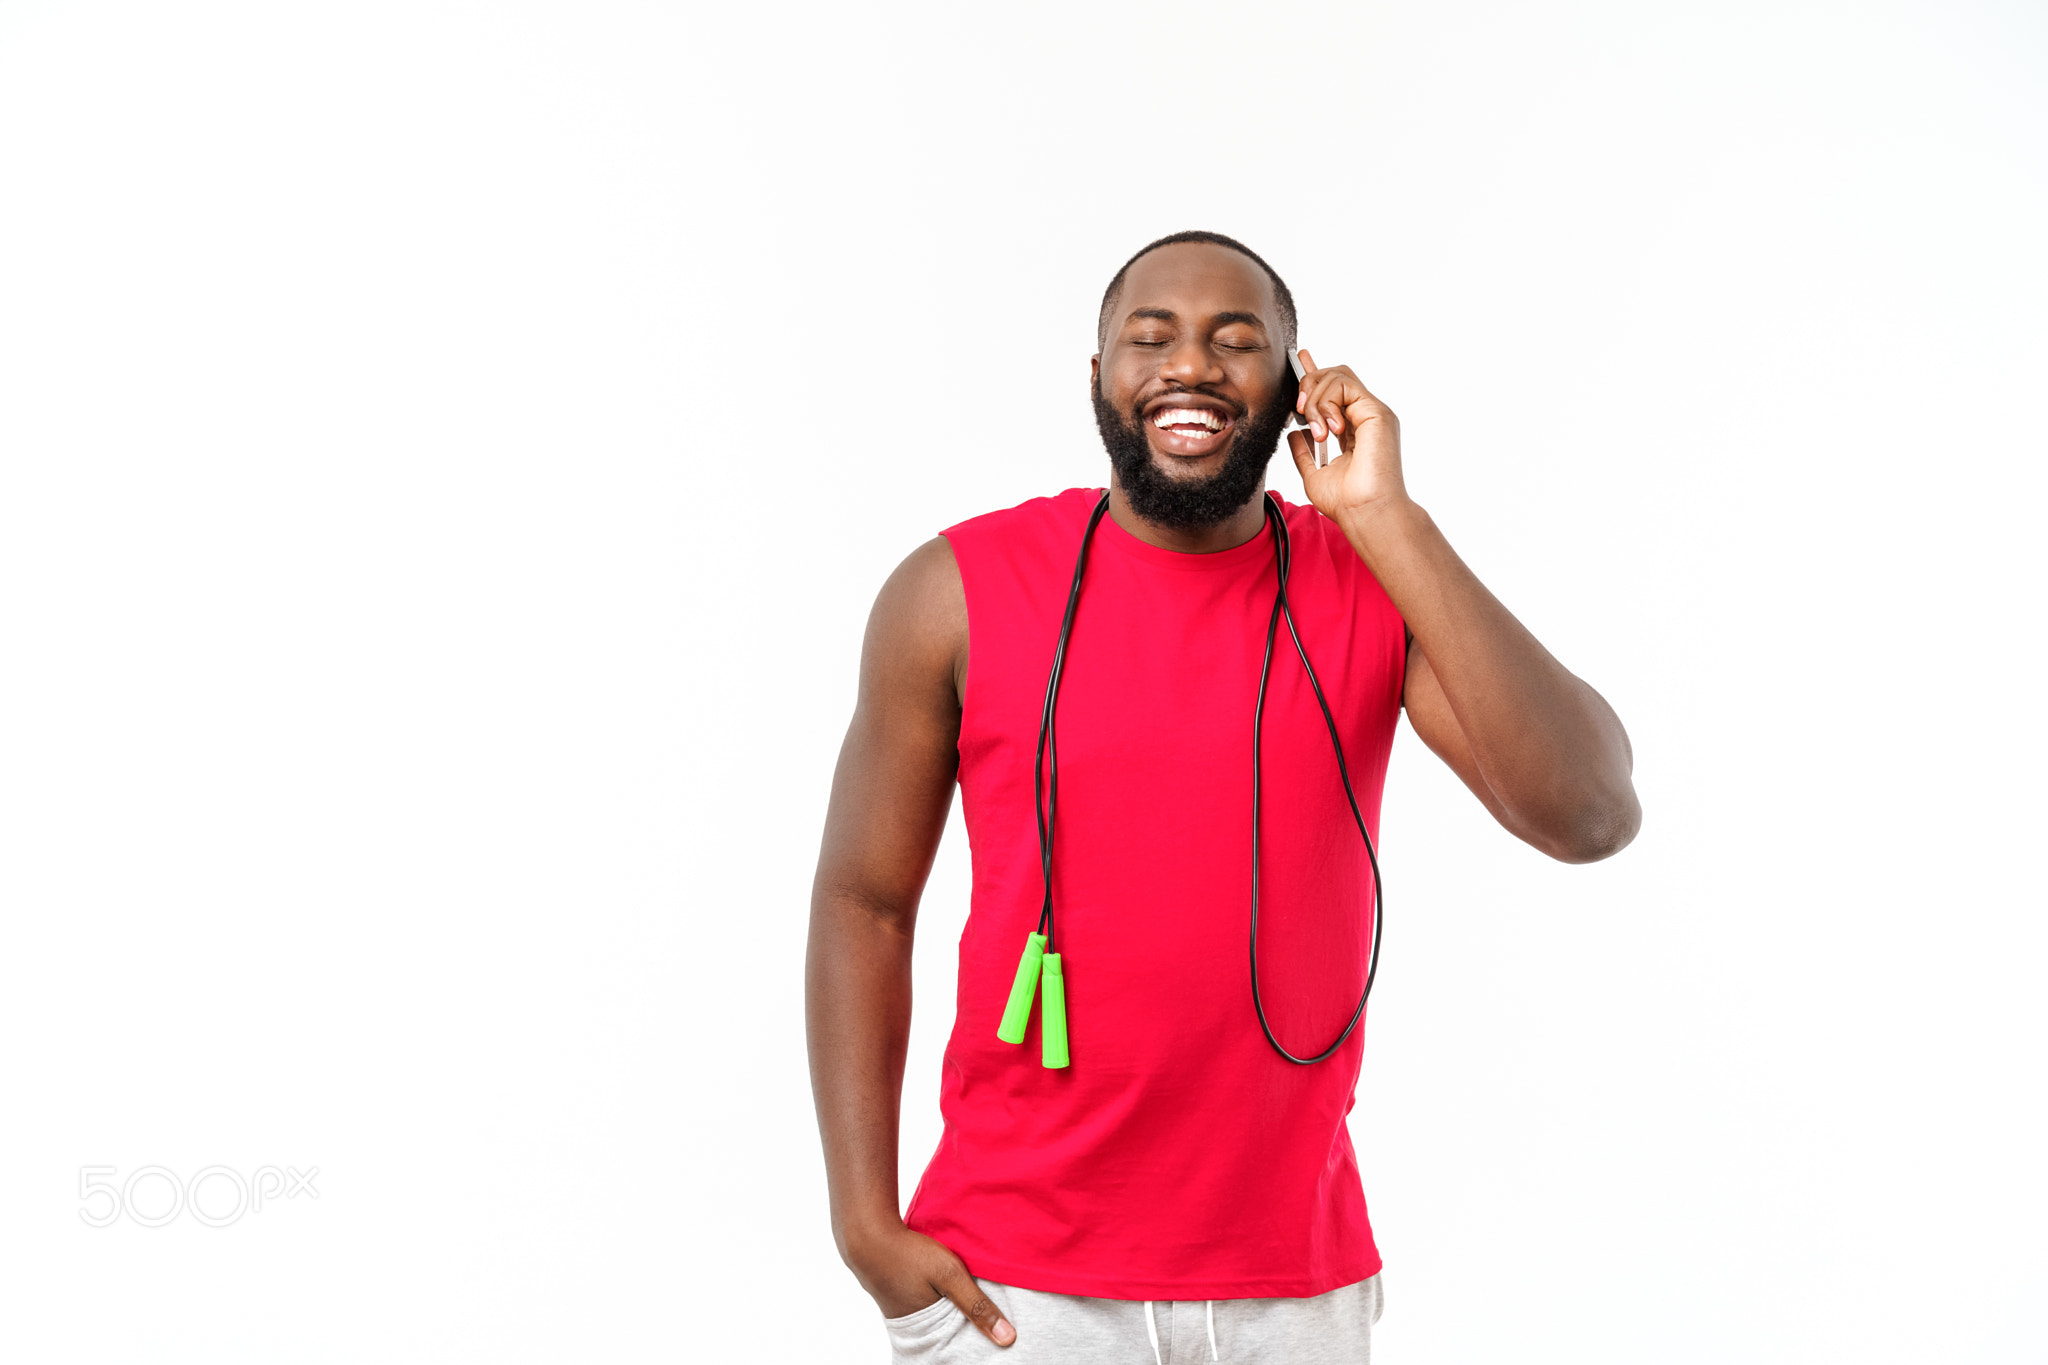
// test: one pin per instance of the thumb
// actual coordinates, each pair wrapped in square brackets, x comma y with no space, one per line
[1302,447]
[965,1292]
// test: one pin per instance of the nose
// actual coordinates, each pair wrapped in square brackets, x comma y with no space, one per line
[1190,363]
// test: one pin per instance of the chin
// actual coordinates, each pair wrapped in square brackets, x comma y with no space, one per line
[1187,471]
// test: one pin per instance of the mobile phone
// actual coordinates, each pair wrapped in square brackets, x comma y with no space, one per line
[1298,418]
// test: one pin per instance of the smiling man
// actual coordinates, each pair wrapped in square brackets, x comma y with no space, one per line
[1162,1172]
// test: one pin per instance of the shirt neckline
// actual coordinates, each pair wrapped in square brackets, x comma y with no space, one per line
[1124,543]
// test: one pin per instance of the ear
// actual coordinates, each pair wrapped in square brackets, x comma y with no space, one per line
[1094,371]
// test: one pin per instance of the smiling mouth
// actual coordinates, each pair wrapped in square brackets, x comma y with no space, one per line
[1189,421]
[1190,431]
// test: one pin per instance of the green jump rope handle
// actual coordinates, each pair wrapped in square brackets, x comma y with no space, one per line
[1017,1013]
[1053,1022]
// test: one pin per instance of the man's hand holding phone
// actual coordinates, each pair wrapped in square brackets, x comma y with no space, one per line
[1364,472]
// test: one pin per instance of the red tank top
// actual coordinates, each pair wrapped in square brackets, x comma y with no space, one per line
[1178,1156]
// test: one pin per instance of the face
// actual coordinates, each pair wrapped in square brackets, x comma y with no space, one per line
[1192,389]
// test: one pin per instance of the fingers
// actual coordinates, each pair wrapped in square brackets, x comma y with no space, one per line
[1335,402]
[1318,411]
[1323,396]
[959,1286]
[1334,390]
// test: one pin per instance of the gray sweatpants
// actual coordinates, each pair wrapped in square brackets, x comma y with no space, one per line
[1059,1329]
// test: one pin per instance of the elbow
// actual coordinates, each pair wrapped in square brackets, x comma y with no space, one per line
[1599,829]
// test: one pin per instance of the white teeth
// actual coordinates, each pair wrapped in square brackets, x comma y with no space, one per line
[1205,417]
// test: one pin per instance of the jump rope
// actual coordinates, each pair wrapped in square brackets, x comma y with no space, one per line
[1039,971]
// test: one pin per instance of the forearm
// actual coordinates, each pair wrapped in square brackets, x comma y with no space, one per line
[1549,748]
[857,1018]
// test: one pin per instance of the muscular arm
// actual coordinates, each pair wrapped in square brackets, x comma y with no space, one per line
[890,795]
[1543,751]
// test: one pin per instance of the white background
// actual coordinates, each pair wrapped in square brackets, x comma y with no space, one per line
[450,449]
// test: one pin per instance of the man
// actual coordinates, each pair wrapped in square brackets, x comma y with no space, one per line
[1178,1189]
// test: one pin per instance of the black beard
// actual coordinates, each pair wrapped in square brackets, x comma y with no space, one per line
[1190,504]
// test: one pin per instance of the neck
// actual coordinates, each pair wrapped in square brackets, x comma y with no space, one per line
[1239,527]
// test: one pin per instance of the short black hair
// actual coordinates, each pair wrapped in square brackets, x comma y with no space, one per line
[1283,298]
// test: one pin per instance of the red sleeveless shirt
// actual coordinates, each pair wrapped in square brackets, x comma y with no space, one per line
[1178,1156]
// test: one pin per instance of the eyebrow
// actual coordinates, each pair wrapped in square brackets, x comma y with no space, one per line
[1219,320]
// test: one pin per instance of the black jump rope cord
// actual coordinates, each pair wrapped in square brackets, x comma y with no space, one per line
[1048,739]
[1045,795]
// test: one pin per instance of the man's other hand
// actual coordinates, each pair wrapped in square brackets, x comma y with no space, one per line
[905,1271]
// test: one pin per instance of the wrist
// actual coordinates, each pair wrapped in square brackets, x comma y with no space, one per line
[858,1235]
[1381,530]
[1383,518]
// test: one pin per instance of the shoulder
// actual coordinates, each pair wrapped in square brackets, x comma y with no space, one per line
[1315,538]
[917,633]
[1025,521]
[922,597]
[1004,557]
[1321,547]
[1308,527]
[918,628]
[926,595]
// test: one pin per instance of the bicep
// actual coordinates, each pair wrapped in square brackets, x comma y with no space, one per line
[1429,711]
[894,782]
